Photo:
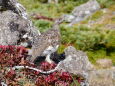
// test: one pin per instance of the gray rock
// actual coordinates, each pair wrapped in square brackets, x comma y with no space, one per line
[69,18]
[86,9]
[113,12]
[76,62]
[14,23]
[83,11]
[14,6]
[102,77]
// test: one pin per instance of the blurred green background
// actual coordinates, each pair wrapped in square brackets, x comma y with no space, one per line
[97,39]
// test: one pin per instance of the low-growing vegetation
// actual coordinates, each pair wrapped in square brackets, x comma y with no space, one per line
[11,56]
[95,36]
[96,39]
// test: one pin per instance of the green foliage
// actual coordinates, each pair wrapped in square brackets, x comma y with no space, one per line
[61,49]
[68,35]
[68,8]
[110,39]
[106,3]
[96,54]
[82,37]
[43,25]
[75,82]
[73,1]
[98,43]
[43,1]
[87,38]
[97,15]
[112,56]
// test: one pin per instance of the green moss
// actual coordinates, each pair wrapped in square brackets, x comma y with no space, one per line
[96,15]
[110,39]
[61,49]
[112,7]
[106,3]
[43,25]
[112,56]
[113,19]
[87,38]
[96,54]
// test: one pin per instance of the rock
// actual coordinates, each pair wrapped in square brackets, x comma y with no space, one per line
[105,63]
[53,1]
[69,18]
[76,61]
[14,24]
[110,26]
[105,10]
[14,6]
[102,77]
[82,12]
[86,9]
[113,12]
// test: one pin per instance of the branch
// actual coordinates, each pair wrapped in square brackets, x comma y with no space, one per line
[38,16]
[35,69]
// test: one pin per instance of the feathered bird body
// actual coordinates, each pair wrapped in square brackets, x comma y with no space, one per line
[46,43]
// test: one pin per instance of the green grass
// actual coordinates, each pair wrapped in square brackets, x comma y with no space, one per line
[96,54]
[43,25]
[97,15]
[106,3]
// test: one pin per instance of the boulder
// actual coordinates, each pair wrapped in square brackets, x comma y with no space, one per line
[86,9]
[82,12]
[76,61]
[14,24]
